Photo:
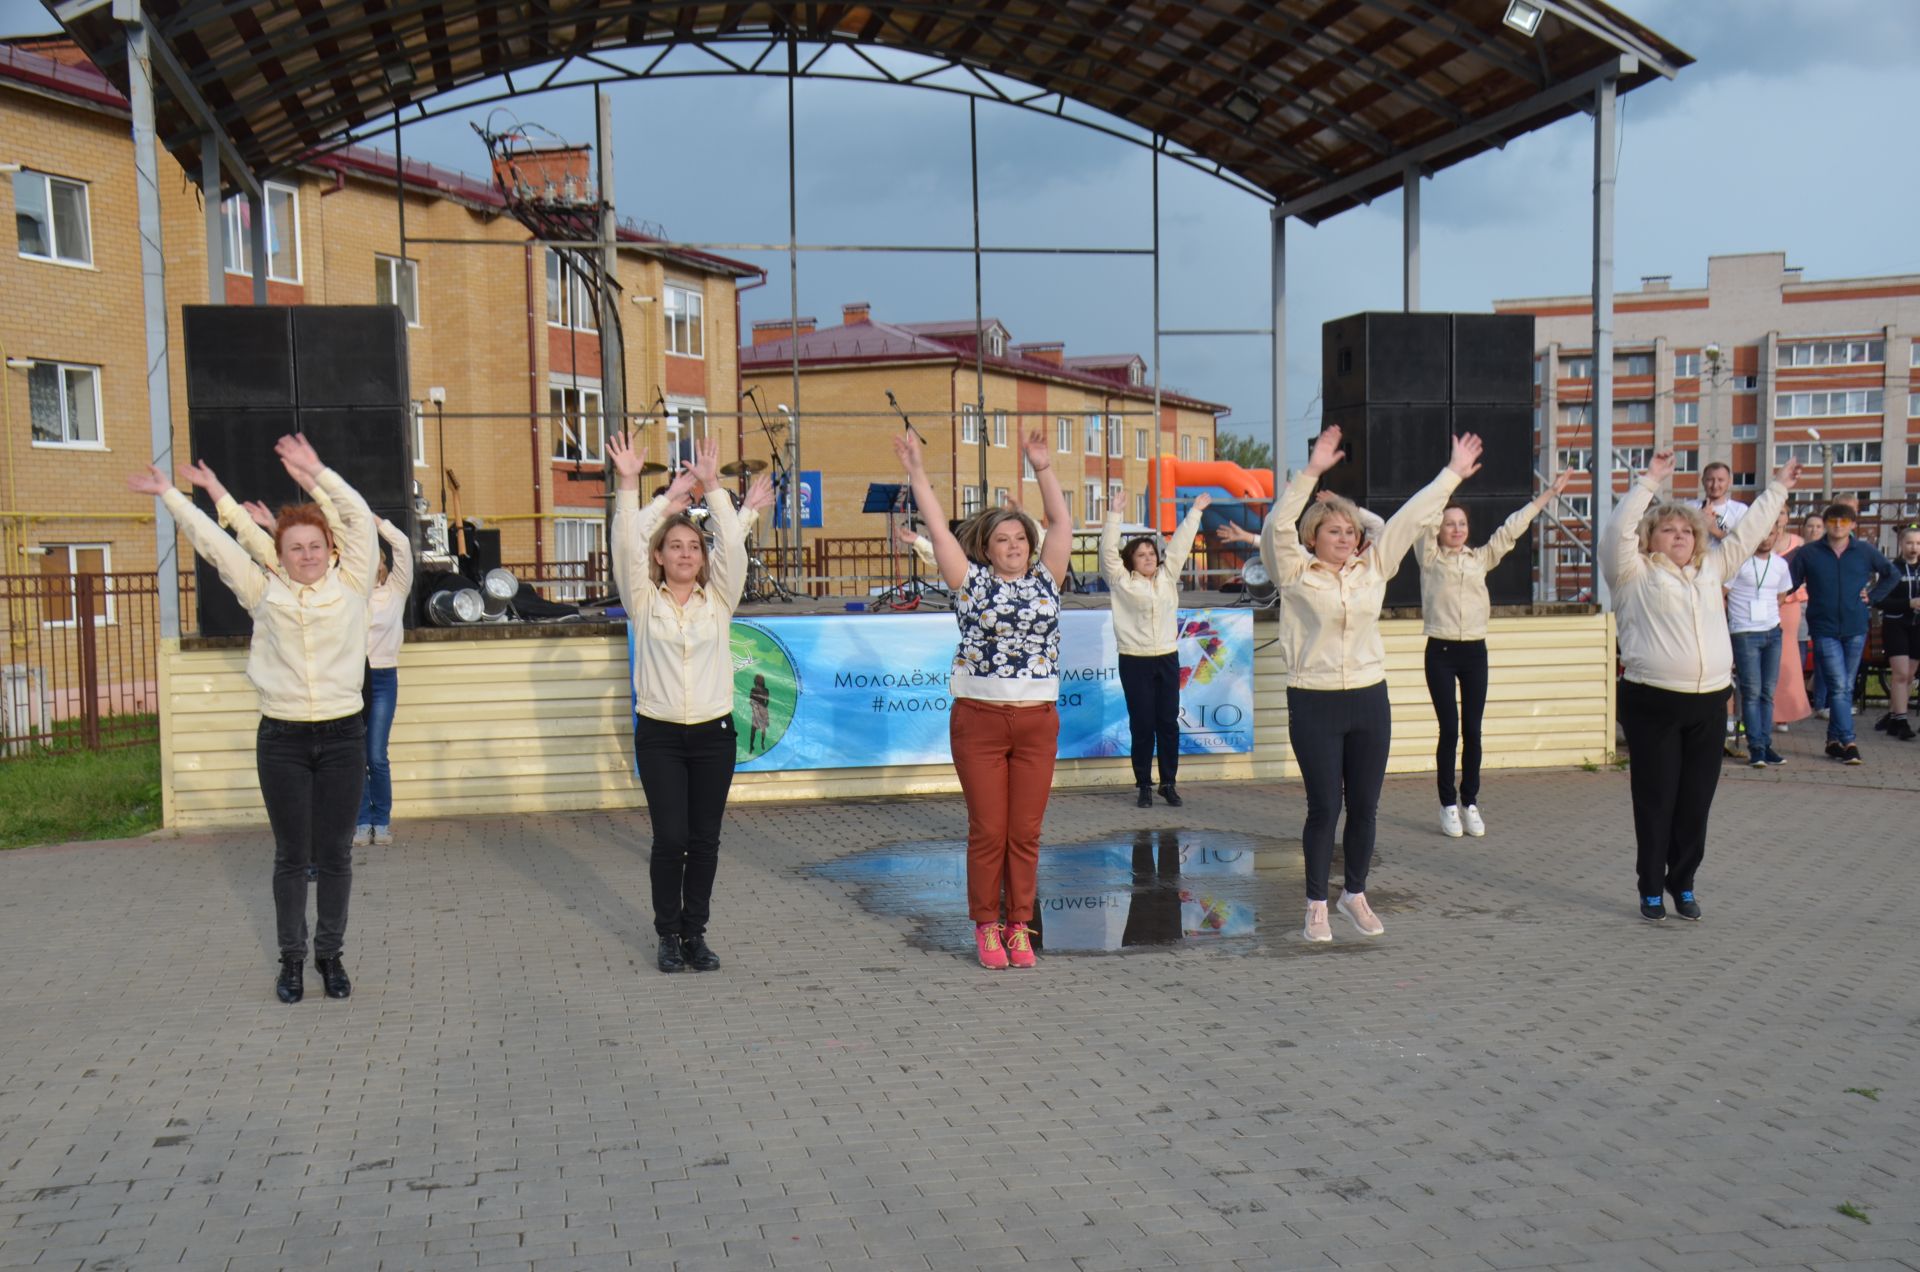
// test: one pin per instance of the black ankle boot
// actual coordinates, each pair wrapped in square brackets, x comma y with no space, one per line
[292,985]
[671,959]
[1146,797]
[699,957]
[333,976]
[1171,795]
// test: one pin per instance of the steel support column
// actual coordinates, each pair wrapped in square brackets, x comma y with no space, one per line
[153,287]
[613,340]
[1410,240]
[979,334]
[793,329]
[1604,142]
[257,256]
[1278,250]
[216,221]
[1161,495]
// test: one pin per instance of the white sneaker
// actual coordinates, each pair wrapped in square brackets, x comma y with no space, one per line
[1471,816]
[1450,821]
[1779,728]
[1317,928]
[362,836]
[382,836]
[1354,906]
[1824,713]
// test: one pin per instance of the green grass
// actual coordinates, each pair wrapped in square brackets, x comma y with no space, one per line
[1871,1093]
[81,795]
[1852,1211]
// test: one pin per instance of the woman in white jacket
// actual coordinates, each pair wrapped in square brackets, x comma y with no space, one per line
[1146,631]
[1676,660]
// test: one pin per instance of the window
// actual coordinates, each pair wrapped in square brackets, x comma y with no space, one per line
[1093,501]
[1843,452]
[996,342]
[1140,508]
[1200,449]
[1578,459]
[999,428]
[1140,443]
[579,428]
[1136,374]
[1744,381]
[417,411]
[1632,459]
[64,402]
[1837,402]
[576,541]
[1577,369]
[1634,364]
[1832,353]
[1913,454]
[969,501]
[1186,447]
[1913,355]
[1063,435]
[1913,407]
[51,216]
[397,282]
[1026,467]
[1116,438]
[283,234]
[1686,413]
[1686,461]
[1579,505]
[1093,431]
[1579,414]
[1636,412]
[1536,371]
[999,496]
[686,424]
[1685,364]
[969,422]
[569,295]
[685,334]
[1746,432]
[1744,480]
[1116,493]
[60,563]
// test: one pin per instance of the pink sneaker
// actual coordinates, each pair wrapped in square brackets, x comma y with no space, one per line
[1020,946]
[993,954]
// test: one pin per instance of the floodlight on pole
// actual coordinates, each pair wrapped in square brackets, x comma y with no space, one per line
[1524,17]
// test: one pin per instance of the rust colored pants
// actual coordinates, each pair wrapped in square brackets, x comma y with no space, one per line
[1004,755]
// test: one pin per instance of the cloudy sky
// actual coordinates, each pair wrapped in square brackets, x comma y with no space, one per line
[1719,161]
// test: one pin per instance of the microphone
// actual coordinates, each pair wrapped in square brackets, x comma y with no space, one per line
[895,404]
[749,391]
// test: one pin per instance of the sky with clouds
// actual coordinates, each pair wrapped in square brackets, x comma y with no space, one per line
[1721,160]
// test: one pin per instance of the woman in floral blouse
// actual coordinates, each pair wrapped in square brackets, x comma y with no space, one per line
[1005,685]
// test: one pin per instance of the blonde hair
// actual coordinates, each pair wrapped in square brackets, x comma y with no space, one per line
[977,533]
[1337,506]
[658,572]
[1661,513]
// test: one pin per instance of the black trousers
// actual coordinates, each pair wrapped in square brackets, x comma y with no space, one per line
[686,771]
[1340,739]
[1464,661]
[1674,747]
[312,776]
[1151,683]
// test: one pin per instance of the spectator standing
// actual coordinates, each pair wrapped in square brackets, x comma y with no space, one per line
[1843,575]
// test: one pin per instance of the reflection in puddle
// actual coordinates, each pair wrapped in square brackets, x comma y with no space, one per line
[1156,888]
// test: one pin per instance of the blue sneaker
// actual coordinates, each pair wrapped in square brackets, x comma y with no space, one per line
[1653,910]
[1774,757]
[1686,907]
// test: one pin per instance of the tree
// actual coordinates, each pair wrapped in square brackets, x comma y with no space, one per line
[1247,452]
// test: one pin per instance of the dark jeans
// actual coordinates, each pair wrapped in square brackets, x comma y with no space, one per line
[382,692]
[1674,747]
[1152,686]
[686,771]
[1340,739]
[311,776]
[1837,659]
[1756,670]
[1466,662]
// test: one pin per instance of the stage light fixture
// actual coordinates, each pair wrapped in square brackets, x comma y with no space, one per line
[1242,106]
[1524,17]
[498,588]
[1258,582]
[451,608]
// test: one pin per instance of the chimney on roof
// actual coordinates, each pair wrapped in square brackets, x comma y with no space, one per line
[780,329]
[855,311]
[1655,282]
[1051,352]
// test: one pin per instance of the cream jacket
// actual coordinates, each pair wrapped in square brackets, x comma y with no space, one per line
[1672,619]
[1453,584]
[1330,619]
[309,650]
[386,609]
[1146,611]
[683,658]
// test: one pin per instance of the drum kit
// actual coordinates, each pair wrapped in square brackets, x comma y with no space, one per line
[762,584]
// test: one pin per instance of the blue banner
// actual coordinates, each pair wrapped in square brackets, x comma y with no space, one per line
[859,691]
[811,502]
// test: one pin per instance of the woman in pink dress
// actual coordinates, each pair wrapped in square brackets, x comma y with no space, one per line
[1790,695]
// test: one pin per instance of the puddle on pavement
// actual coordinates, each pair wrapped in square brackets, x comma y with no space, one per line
[1154,888]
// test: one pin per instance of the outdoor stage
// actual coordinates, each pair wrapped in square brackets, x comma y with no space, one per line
[527,718]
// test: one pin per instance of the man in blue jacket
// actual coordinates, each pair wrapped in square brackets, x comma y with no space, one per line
[1842,575]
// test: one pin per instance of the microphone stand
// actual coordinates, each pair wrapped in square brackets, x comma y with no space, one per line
[776,590]
[915,589]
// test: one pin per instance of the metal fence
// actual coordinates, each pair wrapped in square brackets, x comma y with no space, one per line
[79,664]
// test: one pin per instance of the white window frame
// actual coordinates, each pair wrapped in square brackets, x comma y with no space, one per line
[1913,355]
[1627,362]
[1579,505]
[581,400]
[1200,450]
[1063,435]
[61,371]
[1866,351]
[1746,432]
[1636,411]
[417,410]
[1000,496]
[1140,444]
[55,256]
[1186,448]
[1742,382]
[1116,494]
[1579,414]
[1913,454]
[1686,413]
[1140,507]
[1577,368]
[389,267]
[999,428]
[1686,365]
[1744,481]
[685,309]
[570,302]
[1823,403]
[1913,407]
[1633,459]
[1093,433]
[969,500]
[1136,374]
[1116,437]
[1577,459]
[969,423]
[73,595]
[590,530]
[687,423]
[1686,459]
[1095,502]
[238,251]
[996,342]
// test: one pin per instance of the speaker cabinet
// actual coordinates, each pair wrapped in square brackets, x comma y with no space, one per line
[367,447]
[350,355]
[1392,450]
[238,356]
[1493,359]
[1506,466]
[1508,583]
[1385,357]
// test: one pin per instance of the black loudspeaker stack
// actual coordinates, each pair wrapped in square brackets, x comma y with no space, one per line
[337,373]
[1400,386]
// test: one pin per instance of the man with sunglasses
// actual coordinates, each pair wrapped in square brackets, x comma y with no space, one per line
[1843,576]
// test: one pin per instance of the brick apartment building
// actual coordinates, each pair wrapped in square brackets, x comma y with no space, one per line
[509,339]
[1743,372]
[1097,410]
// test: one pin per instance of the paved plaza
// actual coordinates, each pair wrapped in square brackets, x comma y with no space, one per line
[1520,1074]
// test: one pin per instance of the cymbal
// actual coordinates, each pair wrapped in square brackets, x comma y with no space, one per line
[742,467]
[652,468]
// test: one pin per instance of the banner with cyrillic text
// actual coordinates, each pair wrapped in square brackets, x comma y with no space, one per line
[859,691]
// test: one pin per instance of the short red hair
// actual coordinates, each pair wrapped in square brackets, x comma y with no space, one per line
[301,515]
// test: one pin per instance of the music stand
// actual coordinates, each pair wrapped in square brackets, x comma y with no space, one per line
[895,499]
